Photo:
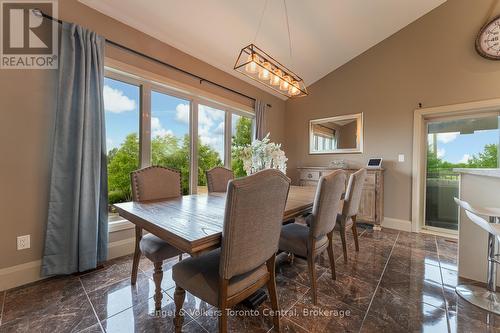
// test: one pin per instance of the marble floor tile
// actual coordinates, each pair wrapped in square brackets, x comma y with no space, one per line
[297,270]
[53,305]
[419,241]
[329,315]
[193,306]
[289,292]
[448,262]
[240,319]
[142,318]
[413,315]
[397,282]
[347,289]
[115,298]
[447,246]
[288,326]
[113,271]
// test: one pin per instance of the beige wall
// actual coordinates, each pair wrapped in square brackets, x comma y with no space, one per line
[431,61]
[27,109]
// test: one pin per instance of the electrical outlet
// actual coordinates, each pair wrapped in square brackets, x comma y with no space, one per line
[23,242]
[401,158]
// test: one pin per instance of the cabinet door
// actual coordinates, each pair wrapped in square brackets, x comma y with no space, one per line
[367,206]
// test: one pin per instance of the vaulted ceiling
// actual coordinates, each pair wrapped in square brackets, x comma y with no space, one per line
[325,34]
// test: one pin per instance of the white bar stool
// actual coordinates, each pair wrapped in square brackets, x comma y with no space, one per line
[488,298]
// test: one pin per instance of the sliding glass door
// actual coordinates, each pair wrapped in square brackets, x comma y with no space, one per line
[458,142]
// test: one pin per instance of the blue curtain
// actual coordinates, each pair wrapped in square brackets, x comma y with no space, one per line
[77,225]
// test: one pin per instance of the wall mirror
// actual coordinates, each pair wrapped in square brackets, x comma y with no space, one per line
[336,135]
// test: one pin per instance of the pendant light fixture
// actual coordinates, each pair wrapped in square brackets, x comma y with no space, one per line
[256,64]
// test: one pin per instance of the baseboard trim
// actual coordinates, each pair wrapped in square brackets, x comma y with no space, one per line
[392,223]
[15,276]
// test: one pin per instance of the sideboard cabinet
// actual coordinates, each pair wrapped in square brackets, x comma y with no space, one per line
[371,208]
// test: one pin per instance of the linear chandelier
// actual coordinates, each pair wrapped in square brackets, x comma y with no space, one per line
[256,64]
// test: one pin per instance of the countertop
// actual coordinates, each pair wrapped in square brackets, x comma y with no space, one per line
[479,172]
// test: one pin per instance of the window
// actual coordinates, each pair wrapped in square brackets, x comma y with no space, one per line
[170,141]
[134,106]
[121,105]
[211,128]
[241,129]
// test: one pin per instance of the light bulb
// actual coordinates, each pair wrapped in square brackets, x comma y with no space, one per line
[285,83]
[275,78]
[264,72]
[293,90]
[252,67]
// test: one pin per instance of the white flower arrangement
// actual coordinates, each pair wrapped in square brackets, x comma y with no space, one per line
[263,154]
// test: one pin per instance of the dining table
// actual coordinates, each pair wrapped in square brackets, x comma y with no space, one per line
[193,223]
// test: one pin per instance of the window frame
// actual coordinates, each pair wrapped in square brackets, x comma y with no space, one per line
[146,86]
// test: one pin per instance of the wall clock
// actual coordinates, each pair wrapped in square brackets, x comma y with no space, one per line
[488,40]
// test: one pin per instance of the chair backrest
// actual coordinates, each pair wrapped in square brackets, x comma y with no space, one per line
[218,178]
[327,202]
[155,183]
[353,193]
[252,221]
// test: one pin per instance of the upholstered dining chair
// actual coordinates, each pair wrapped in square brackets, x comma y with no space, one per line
[154,183]
[245,261]
[352,199]
[310,241]
[218,178]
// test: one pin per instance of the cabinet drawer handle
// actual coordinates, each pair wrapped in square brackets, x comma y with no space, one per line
[309,175]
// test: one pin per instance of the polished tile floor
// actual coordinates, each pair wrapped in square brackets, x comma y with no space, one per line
[398,282]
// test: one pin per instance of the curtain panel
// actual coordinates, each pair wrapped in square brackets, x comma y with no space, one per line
[77,224]
[260,120]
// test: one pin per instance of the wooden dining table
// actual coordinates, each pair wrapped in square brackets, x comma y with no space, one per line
[193,223]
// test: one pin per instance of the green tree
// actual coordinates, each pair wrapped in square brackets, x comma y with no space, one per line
[167,151]
[242,137]
[121,162]
[487,159]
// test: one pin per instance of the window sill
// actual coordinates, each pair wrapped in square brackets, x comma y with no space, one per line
[119,225]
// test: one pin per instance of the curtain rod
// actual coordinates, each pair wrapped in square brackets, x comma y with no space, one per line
[128,49]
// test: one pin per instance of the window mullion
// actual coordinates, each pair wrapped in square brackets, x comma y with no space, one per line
[227,139]
[145,124]
[193,134]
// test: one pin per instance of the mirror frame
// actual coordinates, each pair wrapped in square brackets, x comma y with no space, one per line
[360,125]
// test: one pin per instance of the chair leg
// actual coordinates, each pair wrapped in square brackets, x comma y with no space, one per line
[355,233]
[179,296]
[137,255]
[157,277]
[271,288]
[222,305]
[344,243]
[312,275]
[330,255]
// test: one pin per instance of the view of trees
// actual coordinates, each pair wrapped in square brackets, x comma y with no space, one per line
[172,152]
[486,159]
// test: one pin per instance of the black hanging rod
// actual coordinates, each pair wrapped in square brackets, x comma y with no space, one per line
[128,49]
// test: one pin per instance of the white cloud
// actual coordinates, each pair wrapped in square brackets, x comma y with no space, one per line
[182,113]
[115,101]
[157,129]
[220,128]
[447,137]
[441,152]
[464,158]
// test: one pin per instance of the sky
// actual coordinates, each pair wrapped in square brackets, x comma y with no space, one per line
[169,116]
[458,148]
